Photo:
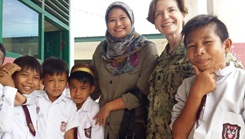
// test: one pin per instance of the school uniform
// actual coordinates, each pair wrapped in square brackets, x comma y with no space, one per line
[13,119]
[223,114]
[87,128]
[55,118]
[7,97]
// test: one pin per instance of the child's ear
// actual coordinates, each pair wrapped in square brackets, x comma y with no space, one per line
[92,89]
[228,44]
[41,85]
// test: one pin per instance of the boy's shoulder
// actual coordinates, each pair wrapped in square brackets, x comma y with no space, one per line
[66,98]
[90,105]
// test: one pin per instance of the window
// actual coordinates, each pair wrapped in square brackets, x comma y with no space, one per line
[20,28]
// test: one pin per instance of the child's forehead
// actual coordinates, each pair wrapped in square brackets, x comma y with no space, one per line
[79,81]
[210,27]
[206,30]
[56,75]
[29,69]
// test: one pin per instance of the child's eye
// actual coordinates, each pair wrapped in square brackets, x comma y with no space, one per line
[190,46]
[72,87]
[207,42]
[37,77]
[23,74]
[62,80]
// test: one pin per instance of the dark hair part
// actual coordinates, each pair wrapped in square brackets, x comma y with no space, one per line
[2,49]
[152,9]
[29,62]
[204,20]
[82,76]
[54,65]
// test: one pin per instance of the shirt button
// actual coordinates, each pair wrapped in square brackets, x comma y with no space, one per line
[110,82]
[108,124]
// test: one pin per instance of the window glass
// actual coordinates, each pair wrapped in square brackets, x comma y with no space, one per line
[20,28]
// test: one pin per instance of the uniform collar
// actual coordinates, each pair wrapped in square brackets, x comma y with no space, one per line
[225,71]
[86,105]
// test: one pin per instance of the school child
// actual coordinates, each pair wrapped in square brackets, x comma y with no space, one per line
[19,122]
[56,112]
[210,105]
[81,84]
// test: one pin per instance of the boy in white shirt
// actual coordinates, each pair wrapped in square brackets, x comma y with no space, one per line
[211,104]
[81,84]
[56,112]
[26,73]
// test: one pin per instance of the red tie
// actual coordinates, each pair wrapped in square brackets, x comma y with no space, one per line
[201,107]
[28,120]
[75,133]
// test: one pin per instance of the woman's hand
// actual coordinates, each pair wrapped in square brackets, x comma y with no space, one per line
[105,110]
[102,115]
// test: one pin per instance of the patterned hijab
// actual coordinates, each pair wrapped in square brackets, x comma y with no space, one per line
[122,55]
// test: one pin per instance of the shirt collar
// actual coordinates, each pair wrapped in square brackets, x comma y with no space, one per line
[225,71]
[86,105]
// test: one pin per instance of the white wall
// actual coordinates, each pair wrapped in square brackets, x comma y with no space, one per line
[231,12]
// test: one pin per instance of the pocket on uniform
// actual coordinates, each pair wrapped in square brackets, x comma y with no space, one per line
[228,125]
[63,124]
[87,129]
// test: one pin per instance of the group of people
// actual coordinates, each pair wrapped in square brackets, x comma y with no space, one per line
[48,113]
[194,89]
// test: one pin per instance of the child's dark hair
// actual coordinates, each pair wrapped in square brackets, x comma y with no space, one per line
[54,65]
[29,62]
[2,49]
[83,73]
[204,20]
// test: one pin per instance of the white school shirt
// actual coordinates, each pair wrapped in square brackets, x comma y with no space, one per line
[7,97]
[87,128]
[16,119]
[224,113]
[54,119]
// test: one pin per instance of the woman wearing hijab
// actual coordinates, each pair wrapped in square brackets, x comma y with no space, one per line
[123,63]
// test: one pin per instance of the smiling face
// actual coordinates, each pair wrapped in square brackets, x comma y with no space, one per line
[55,85]
[168,17]
[27,80]
[119,25]
[80,91]
[205,48]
